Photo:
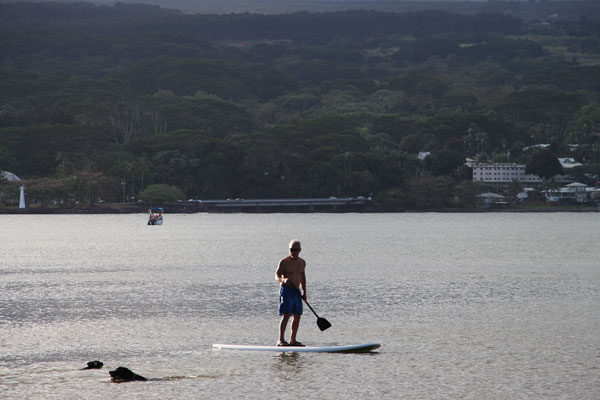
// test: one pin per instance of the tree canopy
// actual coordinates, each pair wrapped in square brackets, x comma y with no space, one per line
[544,164]
[298,104]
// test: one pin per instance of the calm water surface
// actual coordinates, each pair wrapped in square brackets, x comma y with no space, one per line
[466,306]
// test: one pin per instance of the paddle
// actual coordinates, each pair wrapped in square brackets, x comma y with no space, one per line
[322,323]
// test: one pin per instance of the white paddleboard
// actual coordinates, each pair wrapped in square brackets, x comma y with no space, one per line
[356,348]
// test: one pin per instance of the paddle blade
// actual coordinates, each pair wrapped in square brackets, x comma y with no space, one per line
[323,324]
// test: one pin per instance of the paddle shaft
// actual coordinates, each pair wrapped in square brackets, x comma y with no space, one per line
[311,309]
[322,323]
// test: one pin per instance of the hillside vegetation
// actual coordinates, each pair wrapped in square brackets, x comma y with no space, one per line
[97,101]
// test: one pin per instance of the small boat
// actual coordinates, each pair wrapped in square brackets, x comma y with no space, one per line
[155,216]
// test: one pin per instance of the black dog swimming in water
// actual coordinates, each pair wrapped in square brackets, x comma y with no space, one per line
[123,374]
[94,365]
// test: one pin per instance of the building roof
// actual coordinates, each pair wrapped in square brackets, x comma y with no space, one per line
[537,146]
[423,155]
[9,176]
[490,195]
[569,162]
[576,184]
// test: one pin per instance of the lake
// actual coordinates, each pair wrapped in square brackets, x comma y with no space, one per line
[469,306]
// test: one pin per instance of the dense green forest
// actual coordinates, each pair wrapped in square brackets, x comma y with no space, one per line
[96,100]
[526,9]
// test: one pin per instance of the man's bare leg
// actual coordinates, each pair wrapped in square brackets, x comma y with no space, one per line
[295,325]
[282,325]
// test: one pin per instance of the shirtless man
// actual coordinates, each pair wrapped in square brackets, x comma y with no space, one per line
[290,275]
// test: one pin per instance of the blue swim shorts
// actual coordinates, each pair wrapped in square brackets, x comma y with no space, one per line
[290,301]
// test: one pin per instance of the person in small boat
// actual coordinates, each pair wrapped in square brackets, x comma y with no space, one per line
[151,218]
[291,276]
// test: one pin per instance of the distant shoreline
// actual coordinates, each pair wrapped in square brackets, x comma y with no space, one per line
[178,208]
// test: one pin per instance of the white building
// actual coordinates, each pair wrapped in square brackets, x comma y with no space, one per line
[575,192]
[423,155]
[489,200]
[9,176]
[537,146]
[568,162]
[502,173]
[524,195]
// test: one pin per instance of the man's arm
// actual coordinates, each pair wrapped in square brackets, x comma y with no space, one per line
[303,283]
[279,277]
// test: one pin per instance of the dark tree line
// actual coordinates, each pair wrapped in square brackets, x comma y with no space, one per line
[302,104]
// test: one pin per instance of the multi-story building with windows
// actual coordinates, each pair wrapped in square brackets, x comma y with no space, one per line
[502,173]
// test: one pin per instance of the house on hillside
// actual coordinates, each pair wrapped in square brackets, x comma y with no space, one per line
[524,195]
[537,146]
[423,155]
[575,192]
[568,162]
[9,176]
[490,200]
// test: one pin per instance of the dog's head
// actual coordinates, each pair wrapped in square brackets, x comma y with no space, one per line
[123,374]
[94,364]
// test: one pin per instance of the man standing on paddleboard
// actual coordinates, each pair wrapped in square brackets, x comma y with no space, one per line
[290,275]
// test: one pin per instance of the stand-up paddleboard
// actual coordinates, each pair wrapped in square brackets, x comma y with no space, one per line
[356,348]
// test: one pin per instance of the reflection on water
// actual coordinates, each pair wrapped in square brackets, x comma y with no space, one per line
[465,305]
[289,362]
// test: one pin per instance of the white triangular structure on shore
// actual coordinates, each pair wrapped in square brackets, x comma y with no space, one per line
[22,198]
